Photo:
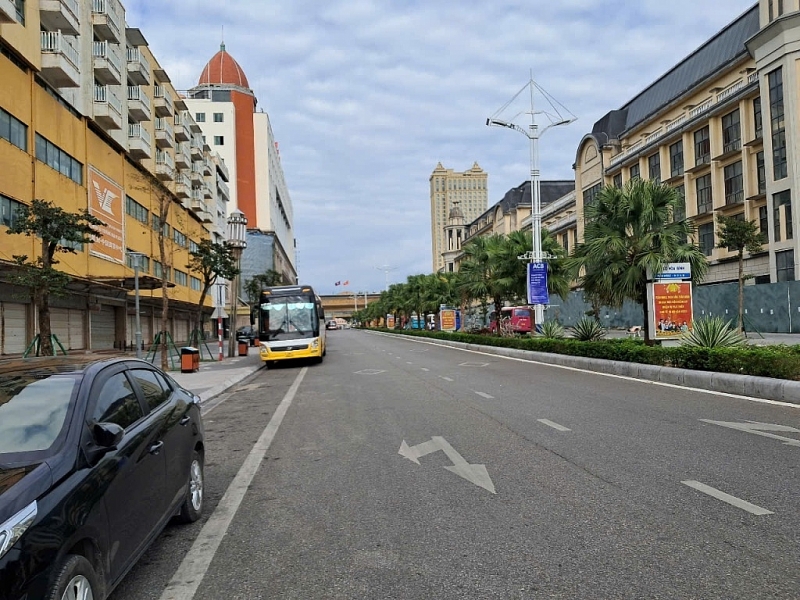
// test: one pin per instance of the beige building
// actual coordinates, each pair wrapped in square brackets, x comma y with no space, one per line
[468,190]
[722,127]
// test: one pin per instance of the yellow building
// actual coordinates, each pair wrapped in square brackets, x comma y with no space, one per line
[721,128]
[89,120]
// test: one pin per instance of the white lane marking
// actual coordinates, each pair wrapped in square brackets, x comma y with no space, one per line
[554,425]
[190,573]
[625,377]
[409,363]
[424,369]
[757,428]
[484,395]
[370,372]
[470,364]
[732,500]
[445,378]
[476,474]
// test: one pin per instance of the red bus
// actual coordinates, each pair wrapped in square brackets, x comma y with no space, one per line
[519,319]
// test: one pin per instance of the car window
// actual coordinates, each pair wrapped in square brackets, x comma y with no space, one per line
[33,409]
[117,403]
[155,389]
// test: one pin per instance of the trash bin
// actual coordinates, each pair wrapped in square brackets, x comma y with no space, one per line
[190,359]
[244,343]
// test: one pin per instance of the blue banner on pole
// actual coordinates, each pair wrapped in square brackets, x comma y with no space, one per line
[537,283]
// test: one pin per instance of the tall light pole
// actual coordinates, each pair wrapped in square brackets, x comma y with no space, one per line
[137,257]
[237,242]
[386,269]
[533,133]
[220,306]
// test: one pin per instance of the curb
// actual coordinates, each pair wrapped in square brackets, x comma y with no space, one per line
[220,388]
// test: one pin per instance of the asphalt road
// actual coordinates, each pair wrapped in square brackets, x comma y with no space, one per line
[593,486]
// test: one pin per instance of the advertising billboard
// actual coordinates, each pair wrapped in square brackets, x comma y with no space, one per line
[105,203]
[671,309]
[447,318]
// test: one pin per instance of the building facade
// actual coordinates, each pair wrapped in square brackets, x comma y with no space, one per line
[90,120]
[470,189]
[225,108]
[722,127]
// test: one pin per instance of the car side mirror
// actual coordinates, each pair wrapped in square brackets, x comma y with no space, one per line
[107,435]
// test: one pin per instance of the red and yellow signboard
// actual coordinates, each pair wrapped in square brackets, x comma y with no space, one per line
[672,309]
[105,203]
[448,319]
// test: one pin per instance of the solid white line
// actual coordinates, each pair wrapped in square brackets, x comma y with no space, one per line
[601,374]
[484,395]
[424,369]
[550,423]
[187,578]
[732,500]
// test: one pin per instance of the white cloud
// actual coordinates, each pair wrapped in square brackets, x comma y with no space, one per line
[365,97]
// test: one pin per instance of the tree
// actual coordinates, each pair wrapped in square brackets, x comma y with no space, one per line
[628,232]
[58,231]
[212,261]
[477,272]
[254,285]
[739,235]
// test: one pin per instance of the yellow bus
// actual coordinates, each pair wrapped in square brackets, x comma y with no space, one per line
[291,324]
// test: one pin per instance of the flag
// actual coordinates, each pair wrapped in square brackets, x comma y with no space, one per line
[346,282]
[338,283]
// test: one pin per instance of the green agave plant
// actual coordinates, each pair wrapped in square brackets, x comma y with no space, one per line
[713,332]
[552,330]
[588,330]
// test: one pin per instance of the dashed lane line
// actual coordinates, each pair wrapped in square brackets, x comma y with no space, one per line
[732,500]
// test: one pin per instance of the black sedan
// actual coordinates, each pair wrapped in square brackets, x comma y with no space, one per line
[96,456]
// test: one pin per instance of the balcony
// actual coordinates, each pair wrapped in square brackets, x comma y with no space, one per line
[197,175]
[60,60]
[106,20]
[8,12]
[222,169]
[63,15]
[165,166]
[182,160]
[207,191]
[198,203]
[139,108]
[165,138]
[206,216]
[181,132]
[139,141]
[138,67]
[183,186]
[162,102]
[208,168]
[107,108]
[107,63]
[196,149]
[223,189]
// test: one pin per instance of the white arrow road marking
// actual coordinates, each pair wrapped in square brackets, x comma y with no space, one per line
[757,428]
[732,500]
[476,474]
[472,364]
[554,425]
[370,372]
[424,369]
[484,395]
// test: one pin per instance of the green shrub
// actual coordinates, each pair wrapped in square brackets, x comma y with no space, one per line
[552,330]
[588,330]
[713,332]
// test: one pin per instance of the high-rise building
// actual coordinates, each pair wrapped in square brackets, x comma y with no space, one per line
[225,107]
[469,189]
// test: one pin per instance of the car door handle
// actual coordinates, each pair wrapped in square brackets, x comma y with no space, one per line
[185,420]
[156,448]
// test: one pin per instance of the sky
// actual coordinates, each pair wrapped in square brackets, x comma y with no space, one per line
[365,97]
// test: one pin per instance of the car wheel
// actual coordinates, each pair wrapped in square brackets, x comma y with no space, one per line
[192,506]
[74,579]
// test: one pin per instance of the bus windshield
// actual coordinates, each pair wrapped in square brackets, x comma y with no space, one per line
[288,317]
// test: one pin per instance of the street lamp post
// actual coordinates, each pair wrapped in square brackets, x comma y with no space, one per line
[533,134]
[220,305]
[237,242]
[137,257]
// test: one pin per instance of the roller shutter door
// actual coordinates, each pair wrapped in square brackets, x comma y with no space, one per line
[15,324]
[181,331]
[76,329]
[102,326]
[59,325]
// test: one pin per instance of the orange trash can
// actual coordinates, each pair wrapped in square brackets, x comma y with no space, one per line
[244,343]
[190,359]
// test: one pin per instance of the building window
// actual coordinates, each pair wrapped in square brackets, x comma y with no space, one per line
[196,284]
[763,223]
[181,278]
[200,117]
[758,125]
[136,210]
[705,234]
[734,187]
[19,6]
[761,173]
[777,124]
[144,261]
[654,167]
[13,130]
[618,180]
[8,210]
[784,264]
[590,194]
[679,213]
[218,118]
[702,147]
[155,223]
[676,159]
[704,198]
[219,140]
[160,271]
[634,171]
[179,238]
[782,203]
[731,132]
[193,247]
[56,158]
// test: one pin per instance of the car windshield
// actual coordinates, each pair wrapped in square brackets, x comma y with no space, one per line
[33,409]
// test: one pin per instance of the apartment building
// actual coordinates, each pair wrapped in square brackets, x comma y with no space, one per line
[722,127]
[225,108]
[90,120]
[468,189]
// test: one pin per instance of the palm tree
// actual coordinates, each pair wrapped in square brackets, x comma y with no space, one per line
[628,232]
[478,272]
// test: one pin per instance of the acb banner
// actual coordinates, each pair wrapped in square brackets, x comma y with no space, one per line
[537,283]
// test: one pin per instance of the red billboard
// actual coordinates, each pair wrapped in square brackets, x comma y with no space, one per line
[672,309]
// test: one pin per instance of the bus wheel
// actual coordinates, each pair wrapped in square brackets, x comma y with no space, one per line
[270,364]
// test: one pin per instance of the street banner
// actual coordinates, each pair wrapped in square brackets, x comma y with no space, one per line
[447,318]
[105,203]
[672,309]
[537,283]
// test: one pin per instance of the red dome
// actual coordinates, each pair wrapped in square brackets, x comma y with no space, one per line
[223,69]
